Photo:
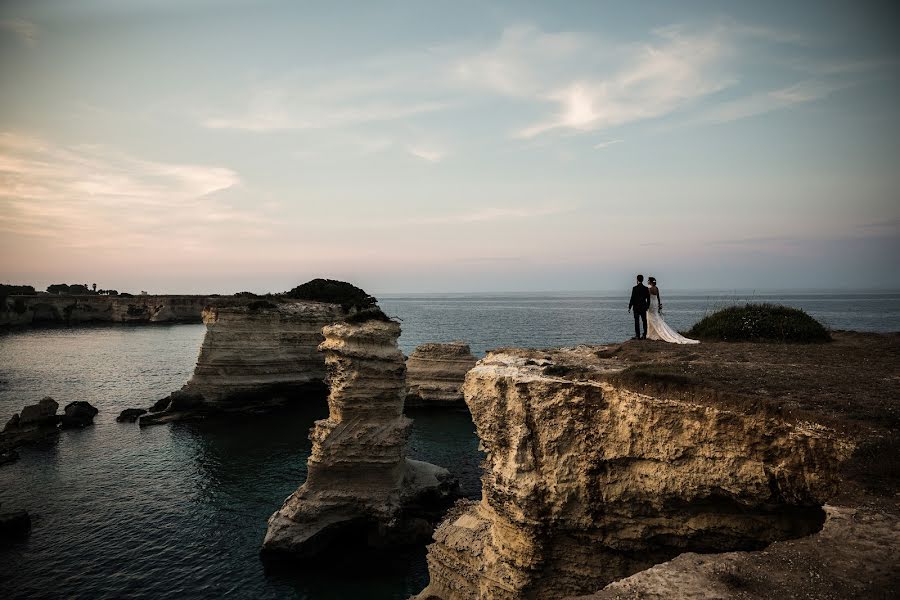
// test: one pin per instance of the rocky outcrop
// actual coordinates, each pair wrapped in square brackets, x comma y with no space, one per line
[435,374]
[74,310]
[255,355]
[586,482]
[130,415]
[360,489]
[78,414]
[36,423]
[14,526]
[41,414]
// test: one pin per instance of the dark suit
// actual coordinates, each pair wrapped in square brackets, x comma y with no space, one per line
[640,303]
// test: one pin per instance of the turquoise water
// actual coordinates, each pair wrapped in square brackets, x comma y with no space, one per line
[179,511]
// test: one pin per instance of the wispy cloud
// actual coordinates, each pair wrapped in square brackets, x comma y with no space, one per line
[24,29]
[606,144]
[381,89]
[92,196]
[656,79]
[428,154]
[764,102]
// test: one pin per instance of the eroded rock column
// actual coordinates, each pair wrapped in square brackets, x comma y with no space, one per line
[585,482]
[360,489]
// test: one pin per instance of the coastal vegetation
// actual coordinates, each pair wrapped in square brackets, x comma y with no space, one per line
[760,323]
[334,292]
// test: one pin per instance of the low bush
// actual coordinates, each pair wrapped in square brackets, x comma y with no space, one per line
[760,323]
[334,292]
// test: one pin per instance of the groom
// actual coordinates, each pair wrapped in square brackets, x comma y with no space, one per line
[640,302]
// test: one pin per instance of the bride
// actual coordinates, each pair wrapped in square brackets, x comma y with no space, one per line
[657,328]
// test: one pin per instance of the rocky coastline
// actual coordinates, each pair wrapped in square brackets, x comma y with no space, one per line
[587,482]
[52,309]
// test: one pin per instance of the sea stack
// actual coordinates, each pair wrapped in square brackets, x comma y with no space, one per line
[360,485]
[435,374]
[255,355]
[586,481]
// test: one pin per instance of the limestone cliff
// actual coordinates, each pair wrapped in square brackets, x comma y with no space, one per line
[74,310]
[586,482]
[435,374]
[254,355]
[360,485]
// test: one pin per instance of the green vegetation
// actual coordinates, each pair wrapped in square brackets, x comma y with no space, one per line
[258,305]
[14,290]
[334,292]
[760,323]
[369,314]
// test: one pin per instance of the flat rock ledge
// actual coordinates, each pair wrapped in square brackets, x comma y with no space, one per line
[361,490]
[586,482]
[435,374]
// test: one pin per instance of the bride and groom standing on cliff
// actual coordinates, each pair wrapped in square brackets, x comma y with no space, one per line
[647,307]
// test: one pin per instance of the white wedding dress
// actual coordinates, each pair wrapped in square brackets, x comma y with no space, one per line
[658,329]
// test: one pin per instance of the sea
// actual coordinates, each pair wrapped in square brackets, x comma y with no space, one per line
[179,510]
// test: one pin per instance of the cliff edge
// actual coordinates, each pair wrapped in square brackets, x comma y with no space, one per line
[586,481]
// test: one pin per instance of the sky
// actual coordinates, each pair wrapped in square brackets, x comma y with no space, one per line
[181,146]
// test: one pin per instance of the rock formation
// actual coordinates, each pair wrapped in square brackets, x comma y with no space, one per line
[586,482]
[435,374]
[254,355]
[74,310]
[39,422]
[78,414]
[360,489]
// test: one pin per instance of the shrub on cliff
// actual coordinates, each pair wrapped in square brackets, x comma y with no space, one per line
[760,323]
[370,314]
[334,292]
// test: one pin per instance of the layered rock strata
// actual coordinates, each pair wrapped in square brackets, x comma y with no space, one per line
[586,482]
[361,490]
[435,374]
[74,310]
[253,356]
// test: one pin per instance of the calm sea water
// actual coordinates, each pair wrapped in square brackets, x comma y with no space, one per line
[179,511]
[488,321]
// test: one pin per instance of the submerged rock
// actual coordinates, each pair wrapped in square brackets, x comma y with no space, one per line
[587,482]
[14,526]
[130,415]
[8,456]
[435,374]
[361,490]
[78,414]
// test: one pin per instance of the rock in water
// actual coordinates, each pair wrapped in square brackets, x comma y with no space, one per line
[435,374]
[13,422]
[360,485]
[130,415]
[78,414]
[14,526]
[41,414]
[586,482]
